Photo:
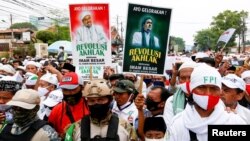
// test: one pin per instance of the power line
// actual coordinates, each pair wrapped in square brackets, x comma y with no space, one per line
[11,12]
[14,9]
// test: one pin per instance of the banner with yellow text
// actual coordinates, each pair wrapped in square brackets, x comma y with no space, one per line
[147,35]
[90,35]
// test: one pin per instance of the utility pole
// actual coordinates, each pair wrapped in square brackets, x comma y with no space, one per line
[243,35]
[117,23]
[239,43]
[12,35]
[121,31]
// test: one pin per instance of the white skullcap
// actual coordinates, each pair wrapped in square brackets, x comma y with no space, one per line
[3,58]
[50,78]
[21,68]
[8,68]
[204,75]
[201,55]
[31,63]
[85,13]
[245,74]
[188,64]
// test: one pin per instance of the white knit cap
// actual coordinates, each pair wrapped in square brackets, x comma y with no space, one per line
[204,75]
[188,64]
[245,74]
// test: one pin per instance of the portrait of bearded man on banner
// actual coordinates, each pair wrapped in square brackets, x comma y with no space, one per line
[145,37]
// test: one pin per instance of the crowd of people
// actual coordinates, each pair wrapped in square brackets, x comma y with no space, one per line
[46,100]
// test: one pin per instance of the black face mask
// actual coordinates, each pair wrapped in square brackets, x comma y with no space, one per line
[151,105]
[72,99]
[159,83]
[147,81]
[99,111]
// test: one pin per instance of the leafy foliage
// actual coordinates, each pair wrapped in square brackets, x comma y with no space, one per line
[45,35]
[177,41]
[223,21]
[54,34]
[23,25]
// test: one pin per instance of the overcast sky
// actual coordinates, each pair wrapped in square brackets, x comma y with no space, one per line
[188,16]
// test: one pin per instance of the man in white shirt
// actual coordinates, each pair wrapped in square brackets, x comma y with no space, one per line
[205,109]
[145,37]
[88,32]
[233,88]
[124,107]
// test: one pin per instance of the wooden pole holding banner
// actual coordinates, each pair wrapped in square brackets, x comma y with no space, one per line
[90,73]
[141,84]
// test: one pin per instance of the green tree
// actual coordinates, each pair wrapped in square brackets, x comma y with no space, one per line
[206,38]
[45,36]
[221,22]
[31,51]
[23,25]
[230,19]
[62,33]
[177,41]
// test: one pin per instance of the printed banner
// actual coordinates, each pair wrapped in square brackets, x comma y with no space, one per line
[90,35]
[147,35]
[41,49]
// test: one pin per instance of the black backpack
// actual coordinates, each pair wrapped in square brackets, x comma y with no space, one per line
[111,133]
[26,136]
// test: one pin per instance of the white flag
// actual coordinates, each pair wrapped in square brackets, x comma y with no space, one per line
[226,35]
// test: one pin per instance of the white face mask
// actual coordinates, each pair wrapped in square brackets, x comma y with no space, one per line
[161,139]
[127,103]
[184,88]
[42,91]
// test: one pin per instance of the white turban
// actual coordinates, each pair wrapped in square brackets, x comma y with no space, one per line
[204,75]
[85,13]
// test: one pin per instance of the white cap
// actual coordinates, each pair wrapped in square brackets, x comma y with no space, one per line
[31,79]
[50,78]
[31,63]
[54,98]
[201,55]
[233,81]
[3,58]
[188,64]
[8,68]
[204,75]
[245,74]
